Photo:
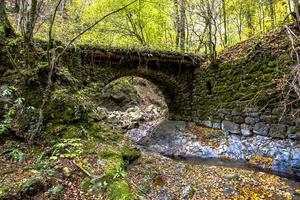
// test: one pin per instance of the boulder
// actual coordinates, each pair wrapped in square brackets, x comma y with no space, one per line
[246,130]
[288,120]
[236,112]
[270,119]
[238,119]
[207,123]
[278,131]
[293,133]
[251,120]
[231,127]
[216,125]
[188,192]
[261,129]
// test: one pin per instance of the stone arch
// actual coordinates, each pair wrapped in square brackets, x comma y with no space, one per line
[172,73]
[167,85]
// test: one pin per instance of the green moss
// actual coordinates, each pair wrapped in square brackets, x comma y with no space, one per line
[105,133]
[109,154]
[85,184]
[130,154]
[91,145]
[56,131]
[119,190]
[72,132]
[114,164]
[64,107]
[4,189]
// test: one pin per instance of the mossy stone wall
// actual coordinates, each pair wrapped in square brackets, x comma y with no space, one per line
[243,97]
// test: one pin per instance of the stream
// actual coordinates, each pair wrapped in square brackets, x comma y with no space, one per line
[186,142]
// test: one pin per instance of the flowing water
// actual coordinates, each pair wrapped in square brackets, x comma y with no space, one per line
[174,140]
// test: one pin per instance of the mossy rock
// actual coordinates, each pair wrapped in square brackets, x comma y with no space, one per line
[130,154]
[114,162]
[22,121]
[91,145]
[56,131]
[119,190]
[72,132]
[104,133]
[64,108]
[109,154]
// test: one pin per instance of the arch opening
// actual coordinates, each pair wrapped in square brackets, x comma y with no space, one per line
[130,100]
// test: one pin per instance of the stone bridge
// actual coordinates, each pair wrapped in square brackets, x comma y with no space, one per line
[172,73]
[226,95]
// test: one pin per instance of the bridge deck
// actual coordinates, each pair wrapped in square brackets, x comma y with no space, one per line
[97,53]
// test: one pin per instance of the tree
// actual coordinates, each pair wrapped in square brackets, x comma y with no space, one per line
[30,20]
[224,21]
[272,12]
[297,11]
[177,23]
[182,25]
[5,26]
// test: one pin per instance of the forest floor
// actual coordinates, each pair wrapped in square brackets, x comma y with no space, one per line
[56,174]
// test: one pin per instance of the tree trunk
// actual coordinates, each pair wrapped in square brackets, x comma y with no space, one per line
[249,20]
[289,9]
[272,13]
[177,22]
[182,25]
[209,33]
[5,26]
[224,21]
[17,6]
[30,20]
[21,17]
[297,11]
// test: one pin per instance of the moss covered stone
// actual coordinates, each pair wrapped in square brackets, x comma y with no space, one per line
[119,190]
[130,154]
[104,133]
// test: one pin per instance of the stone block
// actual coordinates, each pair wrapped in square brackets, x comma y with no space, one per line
[246,130]
[253,114]
[278,131]
[249,110]
[207,123]
[217,125]
[287,120]
[261,128]
[293,133]
[231,127]
[268,111]
[224,111]
[228,117]
[251,120]
[294,136]
[269,119]
[238,119]
[293,129]
[236,112]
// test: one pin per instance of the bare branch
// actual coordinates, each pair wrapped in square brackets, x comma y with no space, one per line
[93,25]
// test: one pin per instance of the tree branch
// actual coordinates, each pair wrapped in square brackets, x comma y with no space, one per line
[93,25]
